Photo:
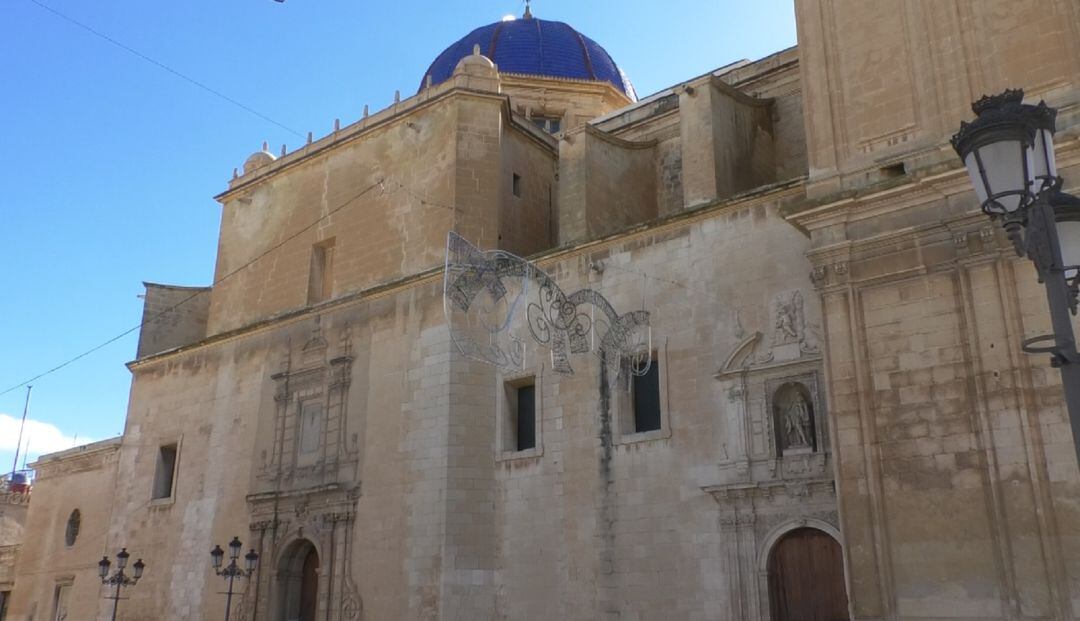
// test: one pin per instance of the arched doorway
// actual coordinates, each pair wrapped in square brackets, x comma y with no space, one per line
[298,583]
[806,578]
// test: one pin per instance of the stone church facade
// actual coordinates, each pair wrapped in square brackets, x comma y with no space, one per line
[836,418]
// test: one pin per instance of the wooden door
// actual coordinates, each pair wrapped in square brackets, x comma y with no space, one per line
[309,586]
[806,578]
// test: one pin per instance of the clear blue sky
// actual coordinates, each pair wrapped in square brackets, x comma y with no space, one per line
[109,163]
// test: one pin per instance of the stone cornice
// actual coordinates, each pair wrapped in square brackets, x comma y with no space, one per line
[397,113]
[939,181]
[579,85]
[78,459]
[610,139]
[795,488]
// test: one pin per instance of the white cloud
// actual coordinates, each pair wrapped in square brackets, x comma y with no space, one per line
[42,438]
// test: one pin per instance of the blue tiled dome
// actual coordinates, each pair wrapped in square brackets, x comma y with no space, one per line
[538,47]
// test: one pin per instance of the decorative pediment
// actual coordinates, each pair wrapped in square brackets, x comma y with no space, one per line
[740,357]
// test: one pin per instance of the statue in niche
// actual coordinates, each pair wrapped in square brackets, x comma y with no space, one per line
[794,425]
[798,432]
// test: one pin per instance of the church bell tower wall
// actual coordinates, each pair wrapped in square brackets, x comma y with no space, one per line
[373,202]
[886,83]
[955,471]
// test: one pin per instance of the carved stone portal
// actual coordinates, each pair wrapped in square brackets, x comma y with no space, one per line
[303,504]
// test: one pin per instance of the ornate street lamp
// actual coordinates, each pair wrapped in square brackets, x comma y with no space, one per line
[1008,151]
[119,579]
[232,571]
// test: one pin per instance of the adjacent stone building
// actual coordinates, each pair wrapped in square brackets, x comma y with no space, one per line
[835,420]
[14,502]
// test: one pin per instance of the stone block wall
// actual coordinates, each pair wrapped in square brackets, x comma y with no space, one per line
[172,317]
[727,141]
[884,83]
[955,462]
[528,218]
[382,194]
[79,479]
[605,184]
[433,519]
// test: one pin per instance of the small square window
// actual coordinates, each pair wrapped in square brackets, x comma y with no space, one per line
[165,475]
[517,185]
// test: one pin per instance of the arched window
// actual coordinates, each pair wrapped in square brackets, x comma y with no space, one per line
[73,524]
[794,420]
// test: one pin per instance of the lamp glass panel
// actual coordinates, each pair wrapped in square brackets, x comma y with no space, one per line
[1044,164]
[216,555]
[1007,164]
[972,164]
[1069,236]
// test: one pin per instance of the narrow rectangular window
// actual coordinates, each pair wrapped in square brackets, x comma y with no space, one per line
[517,185]
[166,472]
[526,417]
[646,391]
[60,602]
[321,277]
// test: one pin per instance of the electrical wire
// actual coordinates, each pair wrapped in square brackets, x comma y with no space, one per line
[382,183]
[271,249]
[162,65]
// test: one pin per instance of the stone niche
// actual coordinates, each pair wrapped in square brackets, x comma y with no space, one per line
[775,406]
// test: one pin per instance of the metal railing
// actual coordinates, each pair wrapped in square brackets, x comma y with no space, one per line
[20,482]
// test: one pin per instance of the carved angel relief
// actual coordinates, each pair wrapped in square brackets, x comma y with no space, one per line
[792,336]
[788,336]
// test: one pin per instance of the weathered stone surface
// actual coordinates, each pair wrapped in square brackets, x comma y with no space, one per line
[835,324]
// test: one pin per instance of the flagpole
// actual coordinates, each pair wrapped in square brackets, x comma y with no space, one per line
[18,445]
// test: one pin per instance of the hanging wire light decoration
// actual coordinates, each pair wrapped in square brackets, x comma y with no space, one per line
[496,301]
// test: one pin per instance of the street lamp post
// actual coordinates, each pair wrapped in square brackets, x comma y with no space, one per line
[232,571]
[1008,151]
[119,579]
